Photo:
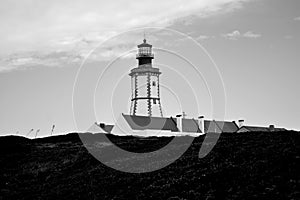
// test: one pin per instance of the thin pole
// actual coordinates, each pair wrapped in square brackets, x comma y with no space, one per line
[149,95]
[135,94]
[52,129]
[132,91]
[29,132]
[36,133]
[158,93]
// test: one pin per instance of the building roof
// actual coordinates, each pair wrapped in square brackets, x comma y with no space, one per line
[220,126]
[280,129]
[151,123]
[190,126]
[259,129]
[254,129]
[211,127]
[95,128]
[227,127]
[161,123]
[142,69]
[144,44]
[108,128]
[100,128]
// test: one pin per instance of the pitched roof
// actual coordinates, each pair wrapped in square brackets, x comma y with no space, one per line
[259,129]
[220,126]
[280,129]
[161,123]
[255,129]
[227,127]
[151,123]
[190,126]
[211,127]
[100,128]
[144,44]
[108,128]
[95,128]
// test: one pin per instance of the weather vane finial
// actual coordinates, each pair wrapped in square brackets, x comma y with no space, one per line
[144,37]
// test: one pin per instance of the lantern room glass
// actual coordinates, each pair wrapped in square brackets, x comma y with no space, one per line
[145,50]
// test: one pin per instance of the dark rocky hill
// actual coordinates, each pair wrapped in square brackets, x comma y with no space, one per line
[241,166]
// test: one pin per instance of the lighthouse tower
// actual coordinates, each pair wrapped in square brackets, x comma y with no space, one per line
[145,99]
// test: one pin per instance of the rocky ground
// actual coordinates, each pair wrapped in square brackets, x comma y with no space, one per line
[240,166]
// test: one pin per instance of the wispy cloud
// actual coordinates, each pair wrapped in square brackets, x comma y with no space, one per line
[62,26]
[297,18]
[250,34]
[235,35]
[31,59]
[105,52]
[288,37]
[203,37]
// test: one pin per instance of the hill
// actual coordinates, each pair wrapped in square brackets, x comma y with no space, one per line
[241,166]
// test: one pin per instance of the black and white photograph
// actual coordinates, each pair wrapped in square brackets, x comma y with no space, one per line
[171,100]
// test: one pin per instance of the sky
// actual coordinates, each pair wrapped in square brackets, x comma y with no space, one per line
[243,60]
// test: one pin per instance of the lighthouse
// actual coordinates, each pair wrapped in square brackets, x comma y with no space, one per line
[145,97]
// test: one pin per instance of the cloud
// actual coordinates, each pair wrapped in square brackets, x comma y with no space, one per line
[288,37]
[203,37]
[297,18]
[32,59]
[76,51]
[69,26]
[250,34]
[235,35]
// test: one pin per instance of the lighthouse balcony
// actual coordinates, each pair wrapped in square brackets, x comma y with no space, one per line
[141,55]
[144,70]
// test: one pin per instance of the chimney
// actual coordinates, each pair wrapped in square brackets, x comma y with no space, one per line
[179,122]
[241,123]
[102,125]
[272,128]
[235,123]
[201,123]
[184,115]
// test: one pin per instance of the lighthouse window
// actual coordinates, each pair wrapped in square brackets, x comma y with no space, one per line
[153,83]
[145,50]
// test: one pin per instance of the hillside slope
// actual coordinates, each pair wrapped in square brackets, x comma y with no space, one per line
[241,166]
